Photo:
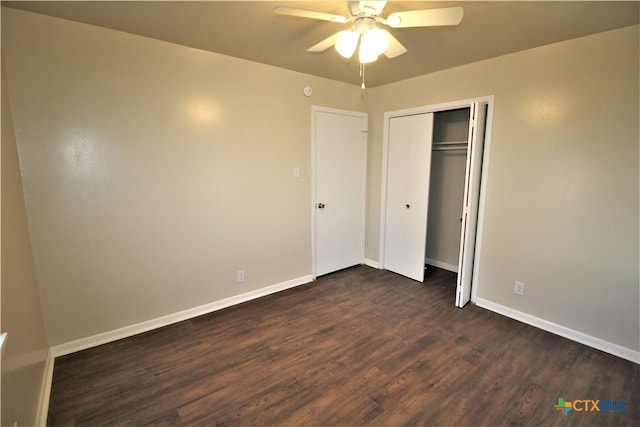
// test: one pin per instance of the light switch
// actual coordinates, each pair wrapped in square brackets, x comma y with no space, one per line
[296,172]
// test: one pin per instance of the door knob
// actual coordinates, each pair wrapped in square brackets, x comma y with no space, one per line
[320,205]
[408,205]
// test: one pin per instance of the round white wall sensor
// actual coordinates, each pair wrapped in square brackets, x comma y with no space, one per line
[307,91]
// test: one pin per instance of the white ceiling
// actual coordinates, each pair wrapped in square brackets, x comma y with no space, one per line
[251,30]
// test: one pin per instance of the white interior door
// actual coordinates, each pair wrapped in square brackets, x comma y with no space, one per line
[475,150]
[408,170]
[339,145]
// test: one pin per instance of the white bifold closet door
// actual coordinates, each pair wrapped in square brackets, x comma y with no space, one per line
[408,172]
[475,150]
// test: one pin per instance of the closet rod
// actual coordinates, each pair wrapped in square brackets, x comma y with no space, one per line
[449,149]
[442,143]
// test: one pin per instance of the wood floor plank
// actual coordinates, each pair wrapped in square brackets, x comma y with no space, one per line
[357,347]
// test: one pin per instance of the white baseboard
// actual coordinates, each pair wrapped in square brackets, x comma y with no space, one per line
[45,391]
[371,263]
[582,338]
[440,264]
[138,328]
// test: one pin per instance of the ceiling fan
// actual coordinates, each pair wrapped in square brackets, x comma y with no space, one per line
[373,40]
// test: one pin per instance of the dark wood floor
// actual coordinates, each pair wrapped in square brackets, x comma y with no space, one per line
[357,347]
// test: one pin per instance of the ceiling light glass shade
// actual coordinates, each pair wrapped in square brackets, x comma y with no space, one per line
[347,42]
[374,42]
[366,55]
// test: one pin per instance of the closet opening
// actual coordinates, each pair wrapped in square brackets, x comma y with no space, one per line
[433,190]
[446,189]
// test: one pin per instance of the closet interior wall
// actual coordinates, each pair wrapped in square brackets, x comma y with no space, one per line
[448,163]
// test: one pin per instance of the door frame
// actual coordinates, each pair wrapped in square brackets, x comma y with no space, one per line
[314,169]
[434,108]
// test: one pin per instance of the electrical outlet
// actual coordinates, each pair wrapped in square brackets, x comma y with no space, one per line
[518,288]
[240,276]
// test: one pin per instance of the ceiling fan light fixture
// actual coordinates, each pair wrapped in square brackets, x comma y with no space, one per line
[347,43]
[366,15]
[374,43]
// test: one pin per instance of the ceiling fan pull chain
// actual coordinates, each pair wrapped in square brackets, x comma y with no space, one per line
[362,74]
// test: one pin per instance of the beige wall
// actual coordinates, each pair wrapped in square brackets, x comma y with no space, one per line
[562,190]
[153,172]
[24,358]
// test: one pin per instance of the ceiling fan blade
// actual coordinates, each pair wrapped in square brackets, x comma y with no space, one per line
[426,18]
[325,44]
[292,11]
[395,47]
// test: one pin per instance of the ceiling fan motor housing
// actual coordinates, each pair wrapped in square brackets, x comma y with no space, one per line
[364,24]
[366,8]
